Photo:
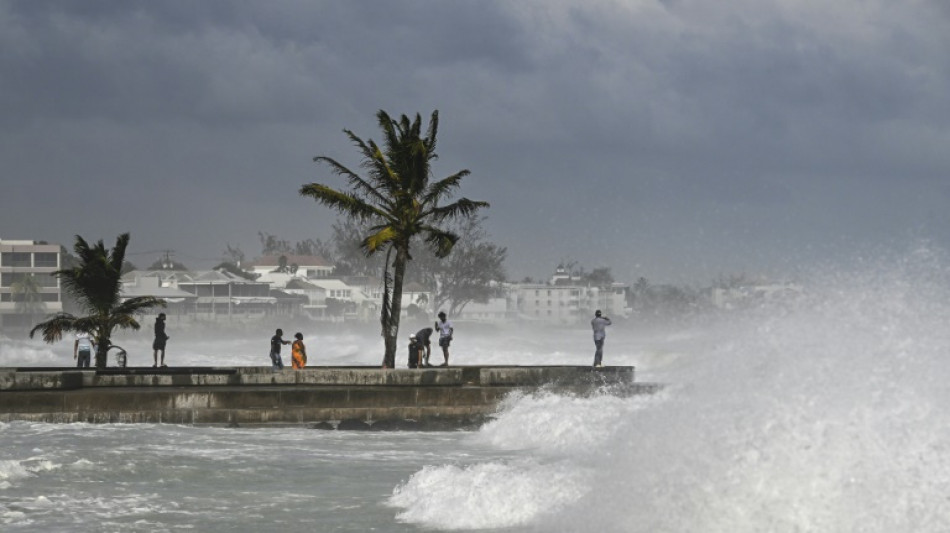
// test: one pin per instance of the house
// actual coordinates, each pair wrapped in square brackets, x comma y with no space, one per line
[142,283]
[314,297]
[20,303]
[209,294]
[302,266]
[567,299]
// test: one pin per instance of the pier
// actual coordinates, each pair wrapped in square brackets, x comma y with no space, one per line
[364,398]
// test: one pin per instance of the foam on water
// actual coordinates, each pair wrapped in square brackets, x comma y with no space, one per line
[827,414]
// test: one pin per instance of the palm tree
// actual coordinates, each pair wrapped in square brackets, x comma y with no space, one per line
[95,283]
[397,198]
[28,296]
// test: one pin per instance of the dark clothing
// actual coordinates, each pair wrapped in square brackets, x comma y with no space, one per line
[85,356]
[414,348]
[422,336]
[160,336]
[599,324]
[275,343]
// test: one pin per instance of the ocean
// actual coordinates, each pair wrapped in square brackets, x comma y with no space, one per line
[823,413]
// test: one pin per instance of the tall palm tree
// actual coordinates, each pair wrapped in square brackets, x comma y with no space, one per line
[95,283]
[399,201]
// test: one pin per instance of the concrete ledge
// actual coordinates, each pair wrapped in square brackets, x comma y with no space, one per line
[322,397]
[497,376]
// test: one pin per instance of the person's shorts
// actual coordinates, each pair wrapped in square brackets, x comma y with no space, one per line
[445,341]
[158,345]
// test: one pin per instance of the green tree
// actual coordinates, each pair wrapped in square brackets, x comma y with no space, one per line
[399,200]
[471,273]
[349,258]
[95,284]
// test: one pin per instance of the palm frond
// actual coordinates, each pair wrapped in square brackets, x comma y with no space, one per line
[55,326]
[117,255]
[355,180]
[124,321]
[461,208]
[345,203]
[138,304]
[431,133]
[444,187]
[440,241]
[376,241]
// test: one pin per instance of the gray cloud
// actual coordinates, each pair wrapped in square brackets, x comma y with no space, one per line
[675,140]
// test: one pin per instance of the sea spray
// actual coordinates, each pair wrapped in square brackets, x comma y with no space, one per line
[822,414]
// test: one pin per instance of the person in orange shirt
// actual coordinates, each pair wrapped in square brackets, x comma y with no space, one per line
[299,352]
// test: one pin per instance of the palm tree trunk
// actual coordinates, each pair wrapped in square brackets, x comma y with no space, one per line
[392,332]
[102,354]
[103,341]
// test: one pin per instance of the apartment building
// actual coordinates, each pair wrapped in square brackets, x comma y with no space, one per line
[28,288]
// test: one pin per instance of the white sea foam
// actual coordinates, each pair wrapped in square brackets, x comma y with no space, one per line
[14,470]
[826,415]
[489,495]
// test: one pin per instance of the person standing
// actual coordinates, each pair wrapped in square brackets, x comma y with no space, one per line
[445,335]
[414,351]
[82,349]
[599,324]
[275,343]
[158,345]
[422,339]
[298,352]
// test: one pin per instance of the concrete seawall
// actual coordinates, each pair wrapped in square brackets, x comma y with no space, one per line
[319,397]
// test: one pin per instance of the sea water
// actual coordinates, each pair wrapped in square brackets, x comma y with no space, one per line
[824,413]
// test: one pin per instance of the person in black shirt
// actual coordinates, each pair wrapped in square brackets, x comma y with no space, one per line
[422,339]
[158,345]
[275,343]
[414,349]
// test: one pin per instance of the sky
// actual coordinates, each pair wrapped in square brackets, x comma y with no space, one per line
[676,140]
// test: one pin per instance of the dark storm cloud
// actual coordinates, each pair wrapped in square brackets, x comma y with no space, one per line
[667,139]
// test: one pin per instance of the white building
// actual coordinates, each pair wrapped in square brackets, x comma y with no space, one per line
[20,260]
[567,303]
[301,266]
[208,295]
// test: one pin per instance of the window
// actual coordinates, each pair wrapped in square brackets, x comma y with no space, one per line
[46,280]
[46,259]
[7,279]
[16,259]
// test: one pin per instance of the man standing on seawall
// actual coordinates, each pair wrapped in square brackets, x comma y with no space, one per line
[277,363]
[158,345]
[599,325]
[82,350]
[445,335]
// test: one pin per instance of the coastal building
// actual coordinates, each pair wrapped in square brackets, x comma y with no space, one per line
[567,303]
[28,288]
[209,295]
[289,265]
